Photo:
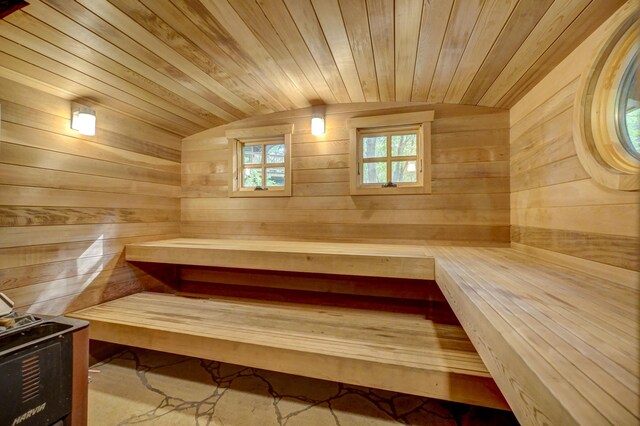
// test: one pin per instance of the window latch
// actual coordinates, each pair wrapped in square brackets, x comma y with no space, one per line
[389,185]
[259,188]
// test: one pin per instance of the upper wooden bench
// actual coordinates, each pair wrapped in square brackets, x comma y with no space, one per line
[563,346]
[370,260]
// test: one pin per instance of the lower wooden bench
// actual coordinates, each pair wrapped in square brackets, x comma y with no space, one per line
[393,351]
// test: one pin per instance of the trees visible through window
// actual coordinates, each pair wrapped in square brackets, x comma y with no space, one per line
[390,154]
[389,158]
[260,160]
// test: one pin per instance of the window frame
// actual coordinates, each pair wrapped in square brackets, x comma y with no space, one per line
[390,124]
[268,135]
[596,132]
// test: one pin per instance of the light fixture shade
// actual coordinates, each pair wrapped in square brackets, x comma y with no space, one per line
[83,119]
[317,124]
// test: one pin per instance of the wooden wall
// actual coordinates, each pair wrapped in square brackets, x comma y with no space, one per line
[469,203]
[69,203]
[557,210]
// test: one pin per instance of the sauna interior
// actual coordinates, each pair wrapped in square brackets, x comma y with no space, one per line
[438,198]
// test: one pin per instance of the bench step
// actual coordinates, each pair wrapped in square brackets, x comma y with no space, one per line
[369,260]
[386,350]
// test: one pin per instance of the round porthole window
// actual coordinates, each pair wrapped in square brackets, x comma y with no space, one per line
[607,112]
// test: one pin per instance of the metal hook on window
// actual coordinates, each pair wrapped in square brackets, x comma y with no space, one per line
[389,185]
[259,188]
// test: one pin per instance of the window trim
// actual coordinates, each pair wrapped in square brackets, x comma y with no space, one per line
[263,135]
[596,134]
[421,121]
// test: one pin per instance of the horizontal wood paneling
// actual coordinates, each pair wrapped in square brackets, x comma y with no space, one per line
[470,184]
[69,203]
[191,65]
[556,207]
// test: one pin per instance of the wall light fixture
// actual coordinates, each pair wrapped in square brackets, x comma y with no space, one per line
[83,119]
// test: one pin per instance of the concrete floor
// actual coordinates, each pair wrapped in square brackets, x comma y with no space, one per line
[145,387]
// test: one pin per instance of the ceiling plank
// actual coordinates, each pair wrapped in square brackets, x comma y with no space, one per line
[381,24]
[280,19]
[557,18]
[139,34]
[463,19]
[435,18]
[262,29]
[254,51]
[330,18]
[493,17]
[307,23]
[165,21]
[354,13]
[521,22]
[105,39]
[408,14]
[587,22]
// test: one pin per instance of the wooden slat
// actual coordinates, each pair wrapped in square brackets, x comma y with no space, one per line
[435,18]
[381,26]
[561,345]
[332,24]
[339,344]
[463,17]
[348,259]
[357,26]
[408,14]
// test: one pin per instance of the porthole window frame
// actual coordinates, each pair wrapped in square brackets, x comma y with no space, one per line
[599,145]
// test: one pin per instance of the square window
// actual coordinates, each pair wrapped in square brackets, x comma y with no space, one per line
[391,154]
[261,161]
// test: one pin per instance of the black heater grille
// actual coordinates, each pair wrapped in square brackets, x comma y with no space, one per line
[30,378]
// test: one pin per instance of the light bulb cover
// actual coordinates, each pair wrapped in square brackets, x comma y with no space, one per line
[83,119]
[317,124]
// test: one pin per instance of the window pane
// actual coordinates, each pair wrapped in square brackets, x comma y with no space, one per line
[251,177]
[275,176]
[374,146]
[629,94]
[252,154]
[403,145]
[374,173]
[403,171]
[275,153]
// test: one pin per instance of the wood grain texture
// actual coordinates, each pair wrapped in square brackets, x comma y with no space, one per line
[372,260]
[556,207]
[561,344]
[405,352]
[69,203]
[470,183]
[190,65]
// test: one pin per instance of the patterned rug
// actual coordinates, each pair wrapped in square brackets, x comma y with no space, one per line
[138,386]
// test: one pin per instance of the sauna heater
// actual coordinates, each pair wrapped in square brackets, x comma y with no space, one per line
[36,365]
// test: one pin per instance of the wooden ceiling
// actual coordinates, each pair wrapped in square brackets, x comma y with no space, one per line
[188,65]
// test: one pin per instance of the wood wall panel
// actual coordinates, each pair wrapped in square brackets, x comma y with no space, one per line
[69,203]
[556,207]
[469,203]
